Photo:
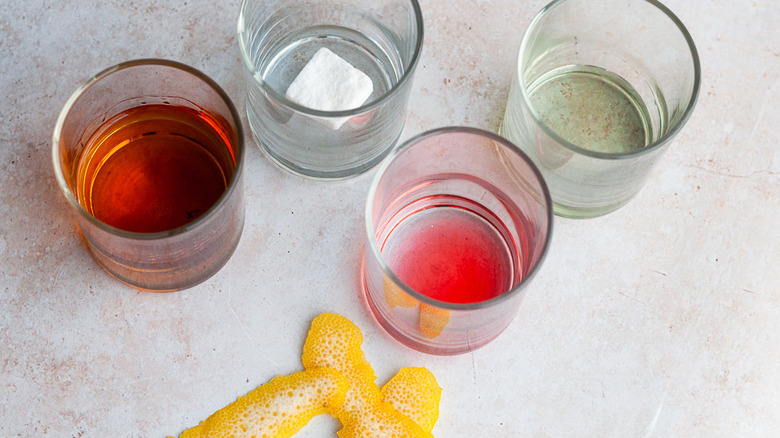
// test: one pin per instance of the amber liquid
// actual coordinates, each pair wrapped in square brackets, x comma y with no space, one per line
[154,168]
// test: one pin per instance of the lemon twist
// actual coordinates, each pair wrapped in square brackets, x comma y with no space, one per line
[334,341]
[277,409]
[415,393]
[338,379]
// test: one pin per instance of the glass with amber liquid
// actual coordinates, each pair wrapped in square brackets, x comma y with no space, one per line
[150,154]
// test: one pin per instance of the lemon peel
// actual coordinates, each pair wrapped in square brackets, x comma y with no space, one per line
[383,421]
[395,296]
[334,341]
[415,393]
[277,409]
[433,320]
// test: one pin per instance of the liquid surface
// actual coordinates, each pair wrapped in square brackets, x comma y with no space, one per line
[591,108]
[304,144]
[352,46]
[154,168]
[450,254]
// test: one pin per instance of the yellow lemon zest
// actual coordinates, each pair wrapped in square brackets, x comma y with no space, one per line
[334,341]
[395,296]
[415,393]
[433,320]
[277,409]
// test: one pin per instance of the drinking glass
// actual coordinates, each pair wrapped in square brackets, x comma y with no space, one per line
[176,214]
[600,90]
[458,221]
[382,38]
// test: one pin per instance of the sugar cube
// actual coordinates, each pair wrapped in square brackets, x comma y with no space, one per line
[329,83]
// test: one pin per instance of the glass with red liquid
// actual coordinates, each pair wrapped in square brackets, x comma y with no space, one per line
[458,221]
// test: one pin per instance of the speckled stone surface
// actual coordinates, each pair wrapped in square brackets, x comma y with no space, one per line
[661,319]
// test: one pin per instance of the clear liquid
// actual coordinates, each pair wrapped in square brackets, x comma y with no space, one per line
[302,143]
[295,51]
[592,108]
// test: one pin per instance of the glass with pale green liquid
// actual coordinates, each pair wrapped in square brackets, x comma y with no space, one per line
[601,88]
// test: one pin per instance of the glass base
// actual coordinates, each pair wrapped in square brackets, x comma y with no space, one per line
[585,212]
[319,174]
[427,348]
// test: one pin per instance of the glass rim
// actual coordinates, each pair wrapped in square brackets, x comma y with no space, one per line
[663,139]
[406,77]
[371,232]
[76,95]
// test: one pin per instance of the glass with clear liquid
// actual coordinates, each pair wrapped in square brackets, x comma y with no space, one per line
[600,90]
[278,38]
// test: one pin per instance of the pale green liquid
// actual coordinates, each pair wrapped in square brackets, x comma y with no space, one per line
[592,108]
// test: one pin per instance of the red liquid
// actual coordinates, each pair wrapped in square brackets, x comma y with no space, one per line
[450,254]
[154,168]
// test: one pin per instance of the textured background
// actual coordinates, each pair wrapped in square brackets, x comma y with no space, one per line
[661,319]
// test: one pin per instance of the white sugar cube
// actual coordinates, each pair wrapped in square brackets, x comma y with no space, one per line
[329,83]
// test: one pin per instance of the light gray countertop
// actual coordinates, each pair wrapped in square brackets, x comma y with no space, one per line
[661,319]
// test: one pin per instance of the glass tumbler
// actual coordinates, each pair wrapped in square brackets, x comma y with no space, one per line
[382,39]
[600,90]
[458,221]
[150,155]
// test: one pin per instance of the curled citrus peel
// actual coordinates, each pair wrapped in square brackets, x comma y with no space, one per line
[395,296]
[338,379]
[433,320]
[415,393]
[335,342]
[277,409]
